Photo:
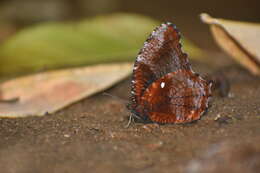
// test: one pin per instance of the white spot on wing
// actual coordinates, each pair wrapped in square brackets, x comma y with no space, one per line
[139,58]
[162,84]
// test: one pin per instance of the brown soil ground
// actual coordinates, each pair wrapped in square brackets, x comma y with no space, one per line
[89,136]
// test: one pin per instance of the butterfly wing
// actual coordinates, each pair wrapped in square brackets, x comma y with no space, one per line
[178,97]
[160,55]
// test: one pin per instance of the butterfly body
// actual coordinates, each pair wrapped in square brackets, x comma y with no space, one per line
[164,88]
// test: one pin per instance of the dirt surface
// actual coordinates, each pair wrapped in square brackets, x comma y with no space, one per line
[89,136]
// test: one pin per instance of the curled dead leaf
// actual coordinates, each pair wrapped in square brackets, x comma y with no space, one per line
[238,39]
[51,91]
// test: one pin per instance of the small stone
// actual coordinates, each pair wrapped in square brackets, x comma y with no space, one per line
[217,117]
[222,119]
[231,95]
[66,135]
[150,127]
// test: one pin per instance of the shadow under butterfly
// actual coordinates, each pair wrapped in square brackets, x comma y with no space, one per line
[164,88]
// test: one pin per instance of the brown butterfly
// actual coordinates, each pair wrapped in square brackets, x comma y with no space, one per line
[164,88]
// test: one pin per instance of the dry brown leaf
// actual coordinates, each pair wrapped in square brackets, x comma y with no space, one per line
[51,91]
[238,39]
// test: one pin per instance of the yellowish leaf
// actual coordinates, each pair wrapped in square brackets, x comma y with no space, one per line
[101,39]
[238,39]
[51,91]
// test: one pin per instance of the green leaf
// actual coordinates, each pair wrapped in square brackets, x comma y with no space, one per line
[101,39]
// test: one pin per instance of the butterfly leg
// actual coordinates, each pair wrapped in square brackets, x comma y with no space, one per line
[129,121]
[132,118]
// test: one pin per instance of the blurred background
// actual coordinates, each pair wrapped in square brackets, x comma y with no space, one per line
[16,14]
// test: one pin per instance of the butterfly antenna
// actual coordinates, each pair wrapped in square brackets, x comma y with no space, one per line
[132,116]
[115,97]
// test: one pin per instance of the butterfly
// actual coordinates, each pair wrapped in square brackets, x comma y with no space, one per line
[164,88]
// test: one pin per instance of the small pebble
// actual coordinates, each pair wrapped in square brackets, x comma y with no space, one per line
[66,135]
[150,127]
[222,119]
